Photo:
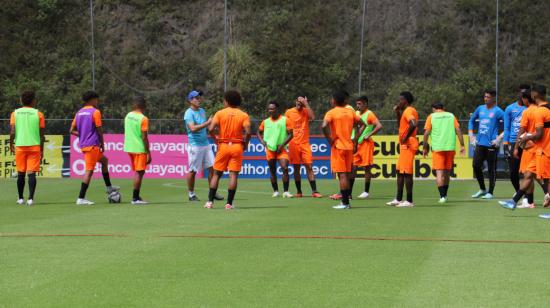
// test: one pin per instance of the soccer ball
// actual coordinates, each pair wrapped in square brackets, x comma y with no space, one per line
[526,145]
[114,197]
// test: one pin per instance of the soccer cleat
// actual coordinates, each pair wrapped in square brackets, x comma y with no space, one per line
[218,197]
[300,195]
[442,200]
[525,206]
[363,195]
[342,207]
[508,204]
[524,202]
[405,204]
[194,198]
[229,207]
[209,205]
[30,202]
[545,216]
[335,197]
[275,194]
[546,200]
[84,202]
[487,196]
[479,194]
[21,201]
[394,202]
[286,194]
[110,189]
[316,195]
[139,202]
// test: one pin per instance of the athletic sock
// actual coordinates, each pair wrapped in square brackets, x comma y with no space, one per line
[285,185]
[351,183]
[441,191]
[230,196]
[135,196]
[519,194]
[446,188]
[83,189]
[367,186]
[345,196]
[313,185]
[410,197]
[399,195]
[32,185]
[298,186]
[530,198]
[211,194]
[275,186]
[107,179]
[20,184]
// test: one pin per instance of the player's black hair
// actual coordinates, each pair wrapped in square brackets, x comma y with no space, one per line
[346,93]
[363,99]
[274,103]
[540,89]
[89,95]
[527,95]
[407,96]
[438,105]
[524,86]
[140,102]
[233,98]
[491,92]
[340,97]
[27,97]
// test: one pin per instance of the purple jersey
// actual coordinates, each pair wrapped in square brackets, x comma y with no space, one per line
[86,127]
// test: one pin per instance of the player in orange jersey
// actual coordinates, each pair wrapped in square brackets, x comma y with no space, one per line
[233,126]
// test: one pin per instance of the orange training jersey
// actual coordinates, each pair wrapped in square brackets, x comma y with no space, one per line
[231,122]
[528,121]
[408,114]
[300,124]
[542,117]
[342,122]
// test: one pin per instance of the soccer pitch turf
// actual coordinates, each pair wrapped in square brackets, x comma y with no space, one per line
[277,252]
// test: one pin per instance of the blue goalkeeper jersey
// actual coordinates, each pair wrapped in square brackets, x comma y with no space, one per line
[489,124]
[512,119]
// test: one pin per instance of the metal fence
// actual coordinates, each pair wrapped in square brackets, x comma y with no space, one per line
[174,127]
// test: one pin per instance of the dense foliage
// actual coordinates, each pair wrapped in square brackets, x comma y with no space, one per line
[440,50]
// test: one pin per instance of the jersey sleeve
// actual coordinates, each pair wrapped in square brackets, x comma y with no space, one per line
[524,119]
[246,120]
[97,118]
[357,118]
[41,120]
[409,115]
[539,119]
[261,128]
[328,117]
[289,125]
[216,118]
[428,125]
[12,119]
[457,125]
[145,124]
[188,117]
[371,118]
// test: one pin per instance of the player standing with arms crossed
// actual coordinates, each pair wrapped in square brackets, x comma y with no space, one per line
[299,148]
[486,142]
[338,124]
[234,134]
[274,134]
[365,145]
[87,127]
[199,150]
[27,143]
[136,144]
[408,145]
[443,129]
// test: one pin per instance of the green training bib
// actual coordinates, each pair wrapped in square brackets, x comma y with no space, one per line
[367,130]
[274,132]
[133,142]
[27,127]
[443,133]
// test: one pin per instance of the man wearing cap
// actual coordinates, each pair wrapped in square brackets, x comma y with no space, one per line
[199,150]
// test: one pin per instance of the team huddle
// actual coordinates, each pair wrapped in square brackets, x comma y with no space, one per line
[349,133]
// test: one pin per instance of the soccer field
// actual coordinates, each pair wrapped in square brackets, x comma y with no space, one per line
[269,252]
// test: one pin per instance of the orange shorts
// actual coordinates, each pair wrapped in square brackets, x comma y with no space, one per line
[528,162]
[300,153]
[341,160]
[92,155]
[27,159]
[138,161]
[405,162]
[443,160]
[543,166]
[273,155]
[364,155]
[229,157]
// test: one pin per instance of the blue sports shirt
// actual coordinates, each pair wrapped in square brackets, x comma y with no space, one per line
[512,119]
[199,138]
[489,124]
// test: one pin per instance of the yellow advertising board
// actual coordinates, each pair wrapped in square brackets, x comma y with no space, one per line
[386,152]
[52,162]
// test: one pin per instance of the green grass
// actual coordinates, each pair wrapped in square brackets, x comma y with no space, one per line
[142,268]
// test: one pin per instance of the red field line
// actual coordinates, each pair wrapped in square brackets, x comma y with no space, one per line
[358,238]
[60,235]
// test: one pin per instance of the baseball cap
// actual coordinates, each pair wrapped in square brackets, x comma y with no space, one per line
[193,94]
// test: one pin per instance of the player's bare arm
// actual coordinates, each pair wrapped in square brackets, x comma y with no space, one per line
[310,113]
[460,136]
[515,150]
[197,127]
[289,136]
[213,126]
[73,131]
[42,141]
[12,139]
[145,138]
[426,146]
[377,127]
[101,140]
[261,137]
[247,135]
[412,127]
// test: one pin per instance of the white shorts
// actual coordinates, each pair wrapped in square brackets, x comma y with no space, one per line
[200,158]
